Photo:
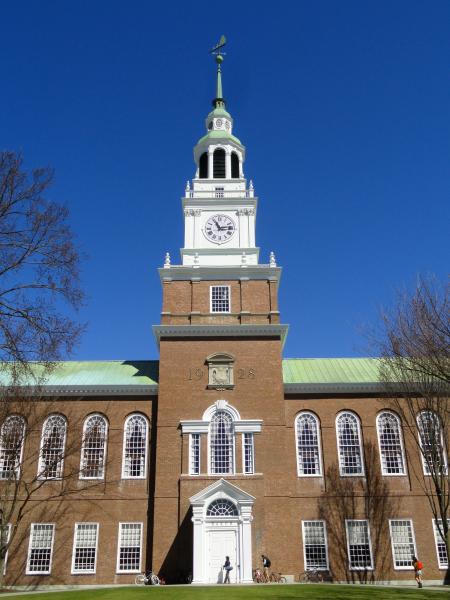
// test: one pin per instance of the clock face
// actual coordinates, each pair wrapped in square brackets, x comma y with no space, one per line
[219,229]
[219,123]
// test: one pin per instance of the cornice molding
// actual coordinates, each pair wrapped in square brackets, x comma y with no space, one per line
[93,390]
[217,273]
[177,331]
[333,388]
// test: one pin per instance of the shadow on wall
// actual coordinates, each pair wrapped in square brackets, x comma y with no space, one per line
[177,566]
[358,498]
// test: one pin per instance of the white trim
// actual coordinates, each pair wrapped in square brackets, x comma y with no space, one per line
[400,436]
[358,424]
[252,444]
[441,565]
[221,405]
[130,416]
[27,571]
[410,521]
[219,312]
[40,473]
[347,521]
[84,572]
[105,447]
[190,469]
[194,426]
[119,539]
[319,445]
[326,542]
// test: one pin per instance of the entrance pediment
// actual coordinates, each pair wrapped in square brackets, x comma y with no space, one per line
[223,489]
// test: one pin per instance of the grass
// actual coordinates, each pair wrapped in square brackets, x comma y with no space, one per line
[272,592]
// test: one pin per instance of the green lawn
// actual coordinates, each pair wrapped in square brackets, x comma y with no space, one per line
[273,592]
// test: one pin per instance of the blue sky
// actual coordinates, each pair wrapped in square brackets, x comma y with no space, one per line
[343,108]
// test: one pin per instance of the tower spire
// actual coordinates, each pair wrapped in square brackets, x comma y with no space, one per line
[218,101]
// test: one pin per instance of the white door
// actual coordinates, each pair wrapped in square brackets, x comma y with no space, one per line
[221,544]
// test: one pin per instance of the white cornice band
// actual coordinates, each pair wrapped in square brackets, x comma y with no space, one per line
[213,273]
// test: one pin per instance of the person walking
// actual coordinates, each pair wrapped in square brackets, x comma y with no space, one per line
[418,566]
[266,565]
[227,566]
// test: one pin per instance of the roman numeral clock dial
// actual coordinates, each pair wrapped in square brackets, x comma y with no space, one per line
[219,229]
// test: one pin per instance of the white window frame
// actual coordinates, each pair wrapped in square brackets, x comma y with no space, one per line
[426,471]
[347,521]
[358,425]
[405,567]
[144,475]
[5,561]
[105,447]
[191,453]
[252,446]
[17,469]
[74,547]
[119,538]
[28,572]
[400,436]
[233,466]
[219,312]
[324,525]
[40,473]
[438,539]
[319,446]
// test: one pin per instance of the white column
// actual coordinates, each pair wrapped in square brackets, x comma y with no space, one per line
[198,574]
[251,228]
[246,549]
[210,163]
[188,228]
[228,164]
[243,229]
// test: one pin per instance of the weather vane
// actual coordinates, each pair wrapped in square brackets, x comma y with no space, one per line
[216,49]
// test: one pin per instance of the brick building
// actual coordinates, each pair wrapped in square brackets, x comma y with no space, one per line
[221,447]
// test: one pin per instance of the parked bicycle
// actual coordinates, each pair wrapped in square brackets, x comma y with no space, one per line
[149,578]
[277,578]
[311,576]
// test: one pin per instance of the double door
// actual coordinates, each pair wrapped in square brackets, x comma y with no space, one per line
[222,542]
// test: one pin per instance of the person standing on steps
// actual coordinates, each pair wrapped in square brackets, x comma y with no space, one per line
[227,566]
[418,566]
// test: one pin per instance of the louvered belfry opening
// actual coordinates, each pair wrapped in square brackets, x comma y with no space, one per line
[234,165]
[219,163]
[203,166]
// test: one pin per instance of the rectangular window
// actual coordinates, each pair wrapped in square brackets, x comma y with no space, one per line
[248,454]
[315,551]
[6,533]
[402,542]
[40,549]
[358,545]
[220,298]
[441,549]
[194,459]
[219,192]
[84,556]
[129,550]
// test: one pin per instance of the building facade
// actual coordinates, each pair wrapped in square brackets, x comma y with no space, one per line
[222,447]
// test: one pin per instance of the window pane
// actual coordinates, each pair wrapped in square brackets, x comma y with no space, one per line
[94,448]
[130,547]
[359,550]
[441,549]
[221,508]
[434,457]
[402,540]
[248,454]
[195,454]
[52,447]
[350,454]
[40,548]
[135,447]
[11,445]
[315,545]
[220,298]
[308,452]
[85,548]
[221,441]
[391,449]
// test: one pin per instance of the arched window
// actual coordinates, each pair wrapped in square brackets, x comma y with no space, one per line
[53,440]
[391,445]
[434,457]
[134,464]
[221,440]
[93,451]
[308,445]
[203,166]
[12,435]
[349,444]
[219,163]
[234,165]
[222,508]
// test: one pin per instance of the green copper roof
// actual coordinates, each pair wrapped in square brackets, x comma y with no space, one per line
[330,370]
[216,135]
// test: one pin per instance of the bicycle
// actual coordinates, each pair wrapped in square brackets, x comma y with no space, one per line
[277,578]
[149,578]
[311,576]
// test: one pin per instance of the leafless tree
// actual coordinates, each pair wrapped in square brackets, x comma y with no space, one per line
[414,346]
[39,285]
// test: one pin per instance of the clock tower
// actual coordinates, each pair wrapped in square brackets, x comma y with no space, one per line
[220,370]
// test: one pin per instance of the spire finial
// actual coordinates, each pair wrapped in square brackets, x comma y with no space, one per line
[216,50]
